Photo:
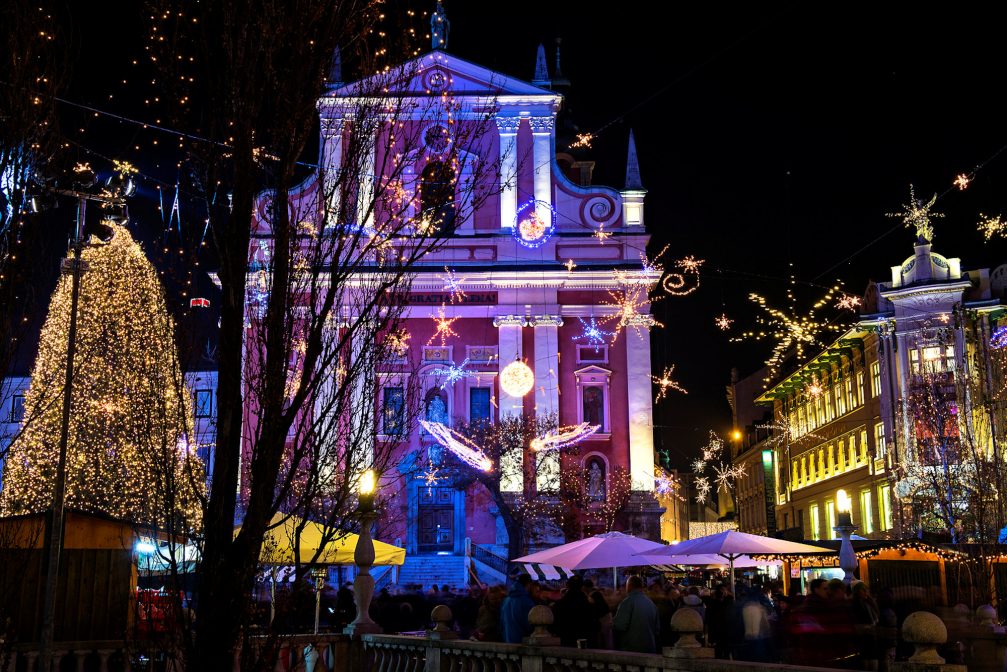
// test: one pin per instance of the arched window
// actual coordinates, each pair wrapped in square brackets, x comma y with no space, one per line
[437,195]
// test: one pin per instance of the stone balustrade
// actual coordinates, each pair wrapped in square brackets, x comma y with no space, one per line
[98,656]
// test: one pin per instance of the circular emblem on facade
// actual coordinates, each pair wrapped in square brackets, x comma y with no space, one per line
[535,223]
[435,80]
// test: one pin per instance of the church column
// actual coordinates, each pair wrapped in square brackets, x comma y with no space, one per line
[541,157]
[508,127]
[641,403]
[362,392]
[365,189]
[332,153]
[509,349]
[547,392]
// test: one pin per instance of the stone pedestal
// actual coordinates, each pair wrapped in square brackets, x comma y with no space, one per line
[926,631]
[540,618]
[643,515]
[441,616]
[688,624]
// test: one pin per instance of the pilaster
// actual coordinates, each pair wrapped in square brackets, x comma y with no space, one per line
[547,392]
[507,127]
[640,406]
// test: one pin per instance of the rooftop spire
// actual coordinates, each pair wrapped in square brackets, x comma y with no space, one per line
[558,78]
[440,27]
[335,77]
[633,181]
[541,77]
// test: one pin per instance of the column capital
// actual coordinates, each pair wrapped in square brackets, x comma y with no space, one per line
[542,124]
[510,321]
[507,124]
[546,321]
[331,126]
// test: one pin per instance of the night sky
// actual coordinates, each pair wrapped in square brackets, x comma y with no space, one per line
[773,140]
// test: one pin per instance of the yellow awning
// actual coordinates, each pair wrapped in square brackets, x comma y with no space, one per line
[278,545]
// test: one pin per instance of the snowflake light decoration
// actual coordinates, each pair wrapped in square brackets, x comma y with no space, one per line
[962,181]
[848,302]
[452,373]
[462,448]
[790,329]
[431,476]
[453,285]
[782,432]
[991,226]
[725,475]
[442,327]
[702,488]
[563,437]
[593,334]
[723,322]
[815,390]
[917,215]
[665,383]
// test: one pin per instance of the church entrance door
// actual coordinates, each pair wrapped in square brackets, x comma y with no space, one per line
[436,520]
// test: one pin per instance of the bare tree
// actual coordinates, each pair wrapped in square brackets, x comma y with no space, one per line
[301,344]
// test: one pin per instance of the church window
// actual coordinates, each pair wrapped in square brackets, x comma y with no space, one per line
[393,411]
[479,404]
[594,405]
[437,195]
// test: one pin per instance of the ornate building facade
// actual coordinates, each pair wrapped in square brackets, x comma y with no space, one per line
[527,275]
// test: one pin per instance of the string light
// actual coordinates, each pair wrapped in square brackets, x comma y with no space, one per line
[563,437]
[665,383]
[517,379]
[917,215]
[127,444]
[592,332]
[991,226]
[453,285]
[723,322]
[443,327]
[452,373]
[782,432]
[461,447]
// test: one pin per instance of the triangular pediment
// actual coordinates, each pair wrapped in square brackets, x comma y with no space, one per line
[587,370]
[438,71]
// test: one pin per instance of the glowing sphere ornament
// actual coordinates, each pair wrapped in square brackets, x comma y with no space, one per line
[517,379]
[535,223]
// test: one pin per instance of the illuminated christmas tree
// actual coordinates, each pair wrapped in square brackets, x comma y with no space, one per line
[128,455]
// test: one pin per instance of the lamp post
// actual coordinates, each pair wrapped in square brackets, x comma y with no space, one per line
[363,558]
[845,528]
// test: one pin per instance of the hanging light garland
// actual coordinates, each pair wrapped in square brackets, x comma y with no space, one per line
[517,379]
[462,448]
[563,437]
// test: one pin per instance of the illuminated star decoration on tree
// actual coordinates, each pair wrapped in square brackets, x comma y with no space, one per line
[593,334]
[916,215]
[452,373]
[563,437]
[848,302]
[962,181]
[443,329]
[991,226]
[790,329]
[462,448]
[665,383]
[453,285]
[723,322]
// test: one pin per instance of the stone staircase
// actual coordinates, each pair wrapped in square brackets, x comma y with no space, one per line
[428,570]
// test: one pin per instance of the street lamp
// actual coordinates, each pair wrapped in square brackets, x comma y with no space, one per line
[845,528]
[363,558]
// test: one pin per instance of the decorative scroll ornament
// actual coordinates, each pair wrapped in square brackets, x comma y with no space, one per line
[563,437]
[517,379]
[462,448]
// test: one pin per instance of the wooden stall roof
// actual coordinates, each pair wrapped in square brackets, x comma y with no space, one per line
[83,531]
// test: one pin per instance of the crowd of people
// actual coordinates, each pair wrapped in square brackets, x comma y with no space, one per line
[832,625]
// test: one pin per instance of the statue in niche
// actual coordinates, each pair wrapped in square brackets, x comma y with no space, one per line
[437,409]
[595,482]
[594,406]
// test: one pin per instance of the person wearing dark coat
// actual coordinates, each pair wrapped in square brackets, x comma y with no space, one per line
[573,615]
[514,625]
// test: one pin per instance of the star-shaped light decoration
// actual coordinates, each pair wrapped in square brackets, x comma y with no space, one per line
[962,181]
[593,334]
[431,476]
[723,322]
[848,302]
[452,373]
[602,235]
[917,215]
[582,140]
[442,327]
[991,225]
[570,265]
[453,285]
[665,383]
[815,390]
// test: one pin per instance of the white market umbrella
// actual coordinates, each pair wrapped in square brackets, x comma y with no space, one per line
[611,549]
[732,544]
[707,560]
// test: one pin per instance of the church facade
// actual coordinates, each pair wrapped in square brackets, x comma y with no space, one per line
[533,273]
